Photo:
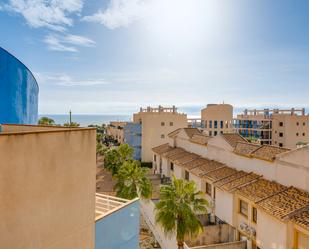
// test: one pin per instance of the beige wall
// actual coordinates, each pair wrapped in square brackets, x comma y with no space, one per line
[224,206]
[115,129]
[290,129]
[271,233]
[47,188]
[218,112]
[152,130]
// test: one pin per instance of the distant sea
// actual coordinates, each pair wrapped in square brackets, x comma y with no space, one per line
[85,120]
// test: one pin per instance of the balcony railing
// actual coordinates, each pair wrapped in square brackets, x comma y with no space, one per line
[106,204]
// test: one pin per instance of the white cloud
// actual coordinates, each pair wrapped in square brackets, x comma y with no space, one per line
[52,14]
[67,43]
[120,13]
[66,80]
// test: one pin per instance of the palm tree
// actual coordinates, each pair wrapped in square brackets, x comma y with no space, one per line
[177,209]
[46,121]
[132,181]
[72,124]
[115,157]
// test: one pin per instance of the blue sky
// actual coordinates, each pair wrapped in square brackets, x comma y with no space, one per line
[112,56]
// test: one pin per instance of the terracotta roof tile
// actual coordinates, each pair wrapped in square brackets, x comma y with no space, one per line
[260,190]
[245,179]
[192,131]
[187,158]
[245,149]
[267,152]
[174,133]
[233,138]
[178,155]
[200,139]
[162,148]
[171,153]
[230,178]
[205,167]
[285,203]
[302,219]
[220,173]
[194,163]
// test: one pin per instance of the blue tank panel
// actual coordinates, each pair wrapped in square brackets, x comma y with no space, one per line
[18,92]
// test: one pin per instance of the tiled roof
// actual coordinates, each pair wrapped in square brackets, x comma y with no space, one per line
[233,138]
[244,148]
[245,179]
[230,178]
[285,203]
[267,152]
[174,133]
[260,190]
[178,155]
[194,163]
[187,158]
[162,148]
[301,218]
[220,173]
[192,131]
[205,167]
[200,139]
[175,151]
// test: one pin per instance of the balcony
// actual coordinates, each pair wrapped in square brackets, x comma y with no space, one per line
[116,222]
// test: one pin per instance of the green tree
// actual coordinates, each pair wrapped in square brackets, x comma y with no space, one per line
[132,181]
[177,210]
[115,157]
[46,121]
[72,124]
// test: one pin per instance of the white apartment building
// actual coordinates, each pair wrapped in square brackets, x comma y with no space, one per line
[260,190]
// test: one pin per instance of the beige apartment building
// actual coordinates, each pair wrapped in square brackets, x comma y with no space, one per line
[156,124]
[217,119]
[283,128]
[47,187]
[116,130]
[260,191]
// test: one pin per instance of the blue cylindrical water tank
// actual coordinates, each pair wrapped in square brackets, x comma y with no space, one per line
[18,91]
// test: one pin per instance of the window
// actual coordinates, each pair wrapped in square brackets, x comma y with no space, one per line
[280,144]
[172,166]
[297,123]
[304,134]
[171,123]
[210,124]
[304,124]
[162,136]
[216,124]
[254,214]
[243,208]
[187,175]
[221,124]
[210,133]
[280,123]
[215,133]
[221,132]
[162,123]
[297,134]
[155,158]
[208,188]
[280,134]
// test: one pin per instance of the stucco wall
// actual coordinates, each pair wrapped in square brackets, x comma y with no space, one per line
[152,129]
[119,230]
[275,236]
[224,206]
[18,91]
[47,187]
